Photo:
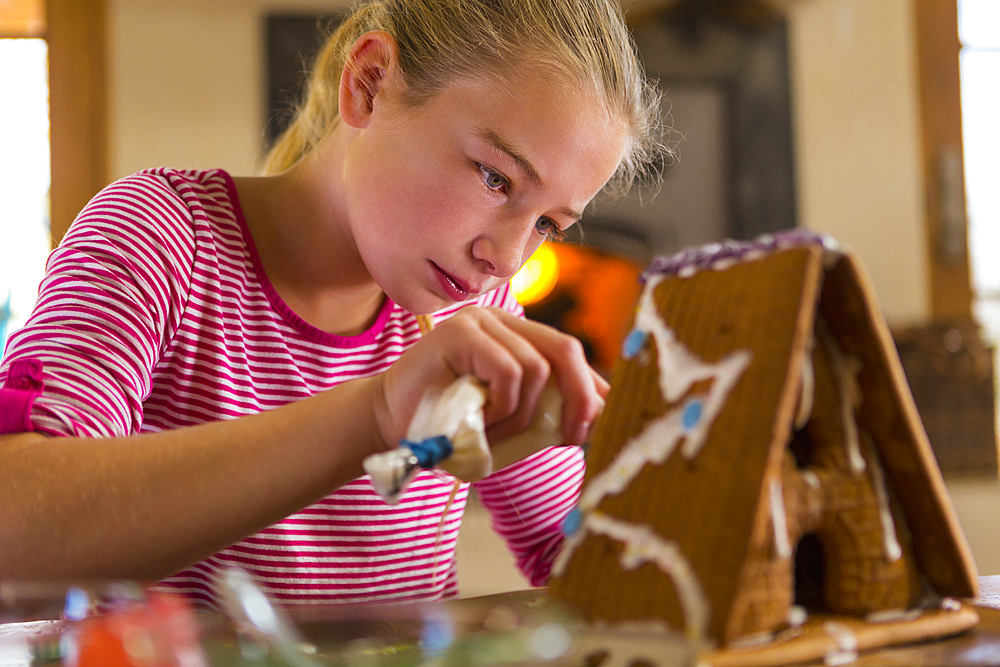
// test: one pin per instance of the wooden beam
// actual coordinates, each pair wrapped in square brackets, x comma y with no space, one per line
[22,19]
[77,106]
[938,77]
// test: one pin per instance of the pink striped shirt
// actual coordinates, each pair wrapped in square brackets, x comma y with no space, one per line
[155,313]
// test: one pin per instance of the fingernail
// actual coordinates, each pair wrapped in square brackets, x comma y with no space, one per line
[581,433]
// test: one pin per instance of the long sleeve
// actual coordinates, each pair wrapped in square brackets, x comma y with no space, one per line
[528,502]
[110,298]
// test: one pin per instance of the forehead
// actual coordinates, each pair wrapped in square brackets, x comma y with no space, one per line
[548,116]
[540,94]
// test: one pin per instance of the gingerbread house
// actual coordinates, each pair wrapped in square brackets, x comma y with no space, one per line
[760,472]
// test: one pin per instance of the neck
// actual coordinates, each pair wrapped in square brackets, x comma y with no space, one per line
[298,225]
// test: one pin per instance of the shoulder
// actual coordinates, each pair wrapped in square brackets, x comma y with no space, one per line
[158,193]
[159,206]
[147,224]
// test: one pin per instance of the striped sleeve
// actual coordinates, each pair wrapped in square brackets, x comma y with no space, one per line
[111,296]
[528,502]
[502,297]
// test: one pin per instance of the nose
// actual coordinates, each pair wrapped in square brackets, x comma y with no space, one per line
[502,251]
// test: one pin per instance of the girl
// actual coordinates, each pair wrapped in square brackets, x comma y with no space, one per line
[211,358]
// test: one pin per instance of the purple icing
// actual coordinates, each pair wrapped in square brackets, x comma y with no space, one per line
[704,257]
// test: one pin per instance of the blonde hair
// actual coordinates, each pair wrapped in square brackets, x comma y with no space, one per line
[440,41]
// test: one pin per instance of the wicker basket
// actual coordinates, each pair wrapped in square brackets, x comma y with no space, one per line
[951,373]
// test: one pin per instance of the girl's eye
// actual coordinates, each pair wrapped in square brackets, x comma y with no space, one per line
[550,230]
[493,180]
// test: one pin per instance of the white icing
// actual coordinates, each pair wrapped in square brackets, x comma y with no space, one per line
[950,604]
[831,254]
[845,645]
[653,444]
[845,370]
[642,545]
[727,371]
[890,615]
[797,615]
[779,520]
[569,546]
[678,369]
[390,472]
[893,551]
[837,658]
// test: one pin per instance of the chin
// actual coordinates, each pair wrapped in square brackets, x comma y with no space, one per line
[420,304]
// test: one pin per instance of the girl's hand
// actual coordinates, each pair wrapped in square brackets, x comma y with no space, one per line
[513,357]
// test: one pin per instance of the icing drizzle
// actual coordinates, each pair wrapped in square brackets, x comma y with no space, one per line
[779,520]
[807,391]
[678,369]
[845,648]
[845,370]
[890,541]
[642,545]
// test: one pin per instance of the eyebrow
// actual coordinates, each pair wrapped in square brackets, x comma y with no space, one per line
[498,142]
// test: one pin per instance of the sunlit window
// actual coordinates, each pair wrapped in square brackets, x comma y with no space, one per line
[979,30]
[24,177]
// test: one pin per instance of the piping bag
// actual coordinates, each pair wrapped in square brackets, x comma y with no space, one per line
[448,432]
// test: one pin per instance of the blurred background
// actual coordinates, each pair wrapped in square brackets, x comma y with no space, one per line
[874,121]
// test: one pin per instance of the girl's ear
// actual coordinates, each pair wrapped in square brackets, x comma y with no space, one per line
[369,65]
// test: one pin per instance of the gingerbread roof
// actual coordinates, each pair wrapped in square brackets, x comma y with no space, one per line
[679,491]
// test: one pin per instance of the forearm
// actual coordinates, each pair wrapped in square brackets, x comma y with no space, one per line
[148,505]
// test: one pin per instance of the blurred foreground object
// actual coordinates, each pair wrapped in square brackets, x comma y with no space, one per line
[101,624]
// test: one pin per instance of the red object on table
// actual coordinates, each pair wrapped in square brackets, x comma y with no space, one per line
[161,632]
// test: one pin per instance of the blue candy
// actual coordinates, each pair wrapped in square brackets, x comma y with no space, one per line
[692,414]
[633,343]
[573,521]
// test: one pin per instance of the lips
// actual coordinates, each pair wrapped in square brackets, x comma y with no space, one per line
[452,286]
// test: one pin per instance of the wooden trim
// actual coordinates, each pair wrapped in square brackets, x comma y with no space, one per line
[938,79]
[22,19]
[77,106]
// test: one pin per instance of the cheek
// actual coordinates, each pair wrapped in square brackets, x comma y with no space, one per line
[445,208]
[529,249]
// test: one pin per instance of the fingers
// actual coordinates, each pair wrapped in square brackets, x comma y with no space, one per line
[602,385]
[544,352]
[514,358]
[534,371]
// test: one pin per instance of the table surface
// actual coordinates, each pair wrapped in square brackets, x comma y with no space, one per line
[979,646]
